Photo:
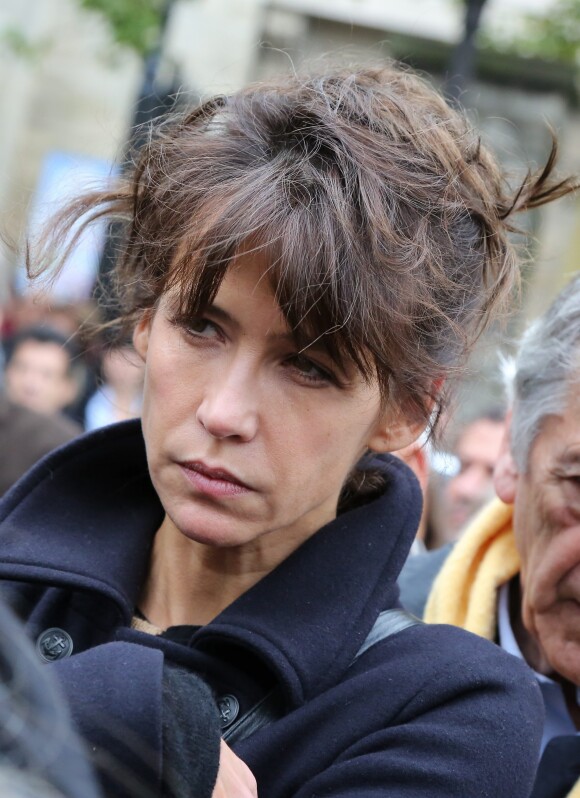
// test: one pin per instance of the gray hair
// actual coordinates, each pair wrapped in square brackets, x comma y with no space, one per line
[545,366]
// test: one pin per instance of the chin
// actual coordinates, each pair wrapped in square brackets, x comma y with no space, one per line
[216,540]
[219,533]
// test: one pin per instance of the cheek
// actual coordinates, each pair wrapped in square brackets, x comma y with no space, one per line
[315,440]
[561,564]
[551,597]
[166,383]
[552,553]
[521,525]
[294,438]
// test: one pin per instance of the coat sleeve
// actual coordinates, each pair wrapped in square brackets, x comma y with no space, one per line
[467,724]
[124,702]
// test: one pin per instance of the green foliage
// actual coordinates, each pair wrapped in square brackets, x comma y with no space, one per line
[134,23]
[553,36]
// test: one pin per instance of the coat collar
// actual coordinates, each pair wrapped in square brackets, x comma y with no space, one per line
[86,515]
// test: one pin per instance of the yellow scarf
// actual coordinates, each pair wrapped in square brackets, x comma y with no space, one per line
[465,591]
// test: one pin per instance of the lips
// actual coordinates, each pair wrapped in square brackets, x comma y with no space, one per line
[213,481]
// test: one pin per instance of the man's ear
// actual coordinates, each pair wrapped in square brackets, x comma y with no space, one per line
[505,474]
[141,336]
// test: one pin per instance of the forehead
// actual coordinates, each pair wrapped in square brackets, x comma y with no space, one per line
[42,352]
[481,440]
[248,278]
[247,294]
[558,440]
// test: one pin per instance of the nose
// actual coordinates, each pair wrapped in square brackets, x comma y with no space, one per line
[229,407]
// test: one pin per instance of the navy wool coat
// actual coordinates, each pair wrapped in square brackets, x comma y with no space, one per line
[430,712]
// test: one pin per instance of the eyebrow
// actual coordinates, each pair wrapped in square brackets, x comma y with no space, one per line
[287,337]
[223,315]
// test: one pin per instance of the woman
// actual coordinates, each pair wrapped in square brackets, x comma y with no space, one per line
[306,263]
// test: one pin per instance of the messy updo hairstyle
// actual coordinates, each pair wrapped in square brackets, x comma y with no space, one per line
[383,219]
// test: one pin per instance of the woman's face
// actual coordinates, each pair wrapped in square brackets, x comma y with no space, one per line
[246,437]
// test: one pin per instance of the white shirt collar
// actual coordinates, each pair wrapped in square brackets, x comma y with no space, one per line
[507,639]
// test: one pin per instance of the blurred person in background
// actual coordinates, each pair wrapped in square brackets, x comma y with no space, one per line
[455,484]
[43,371]
[26,436]
[514,576]
[120,393]
[458,482]
[41,309]
[74,321]
[476,449]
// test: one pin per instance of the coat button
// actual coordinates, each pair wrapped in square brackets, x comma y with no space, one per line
[229,708]
[54,644]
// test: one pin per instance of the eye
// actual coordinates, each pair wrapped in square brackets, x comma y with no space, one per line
[200,328]
[309,371]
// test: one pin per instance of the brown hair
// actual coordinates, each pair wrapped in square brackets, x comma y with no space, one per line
[384,219]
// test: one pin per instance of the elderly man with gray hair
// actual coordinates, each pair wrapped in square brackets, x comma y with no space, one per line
[515,575]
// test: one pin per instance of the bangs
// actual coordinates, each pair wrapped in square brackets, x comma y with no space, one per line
[313,269]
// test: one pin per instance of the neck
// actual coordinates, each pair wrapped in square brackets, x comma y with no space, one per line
[190,583]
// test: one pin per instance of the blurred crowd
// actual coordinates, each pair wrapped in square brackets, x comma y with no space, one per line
[456,476]
[60,376]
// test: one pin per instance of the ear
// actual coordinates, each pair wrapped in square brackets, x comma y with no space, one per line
[394,432]
[505,475]
[141,336]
